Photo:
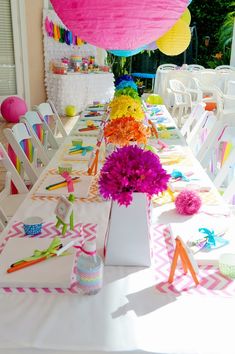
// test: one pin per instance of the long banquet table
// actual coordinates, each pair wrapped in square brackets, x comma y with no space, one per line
[129,314]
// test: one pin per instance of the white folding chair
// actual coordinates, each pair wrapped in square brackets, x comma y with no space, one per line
[225,178]
[10,202]
[39,135]
[60,126]
[193,118]
[3,220]
[23,147]
[46,113]
[198,137]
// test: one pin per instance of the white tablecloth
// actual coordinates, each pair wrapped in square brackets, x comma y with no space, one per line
[208,78]
[79,89]
[127,316]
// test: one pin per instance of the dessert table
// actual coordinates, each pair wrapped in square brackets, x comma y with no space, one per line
[136,311]
[79,89]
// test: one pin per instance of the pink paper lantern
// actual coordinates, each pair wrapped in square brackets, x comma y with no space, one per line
[119,24]
[12,108]
[151,46]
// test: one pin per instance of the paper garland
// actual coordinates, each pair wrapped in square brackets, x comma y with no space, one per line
[61,34]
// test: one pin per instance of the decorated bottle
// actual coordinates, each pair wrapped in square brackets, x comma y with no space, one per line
[89,269]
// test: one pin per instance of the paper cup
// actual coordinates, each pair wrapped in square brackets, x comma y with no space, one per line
[33,225]
[77,142]
[66,167]
[227,264]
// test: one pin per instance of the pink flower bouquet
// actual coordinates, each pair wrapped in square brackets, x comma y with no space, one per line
[131,169]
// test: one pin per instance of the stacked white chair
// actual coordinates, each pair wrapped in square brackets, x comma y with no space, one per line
[182,103]
[160,86]
[225,68]
[195,67]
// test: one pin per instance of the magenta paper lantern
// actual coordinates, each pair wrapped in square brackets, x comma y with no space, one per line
[12,108]
[119,24]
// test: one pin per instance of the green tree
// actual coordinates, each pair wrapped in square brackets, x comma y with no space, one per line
[209,16]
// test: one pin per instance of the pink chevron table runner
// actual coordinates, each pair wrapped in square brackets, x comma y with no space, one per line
[211,280]
[50,231]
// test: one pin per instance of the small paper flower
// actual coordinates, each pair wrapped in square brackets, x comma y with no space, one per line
[131,169]
[188,202]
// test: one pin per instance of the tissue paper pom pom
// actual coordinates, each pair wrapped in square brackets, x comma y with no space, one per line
[187,202]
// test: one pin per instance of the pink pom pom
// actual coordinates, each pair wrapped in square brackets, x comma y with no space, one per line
[188,202]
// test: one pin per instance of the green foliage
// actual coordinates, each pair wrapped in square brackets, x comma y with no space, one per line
[120,65]
[226,35]
[211,18]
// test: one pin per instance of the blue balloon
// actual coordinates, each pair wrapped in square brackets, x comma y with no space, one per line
[126,53]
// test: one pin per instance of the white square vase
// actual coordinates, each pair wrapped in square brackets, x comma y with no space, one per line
[127,240]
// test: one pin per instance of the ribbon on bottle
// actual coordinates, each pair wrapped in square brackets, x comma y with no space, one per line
[69,181]
[84,251]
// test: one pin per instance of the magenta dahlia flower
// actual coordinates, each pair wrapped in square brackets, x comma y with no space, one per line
[131,169]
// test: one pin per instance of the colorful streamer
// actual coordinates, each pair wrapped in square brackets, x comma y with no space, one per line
[62,35]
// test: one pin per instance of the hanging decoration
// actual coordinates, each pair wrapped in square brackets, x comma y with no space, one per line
[151,46]
[176,40]
[127,53]
[186,17]
[61,34]
[119,24]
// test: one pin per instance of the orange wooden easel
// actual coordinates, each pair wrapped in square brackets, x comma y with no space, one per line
[186,259]
[93,166]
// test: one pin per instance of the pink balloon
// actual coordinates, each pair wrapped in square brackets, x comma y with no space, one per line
[12,108]
[151,46]
[119,24]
